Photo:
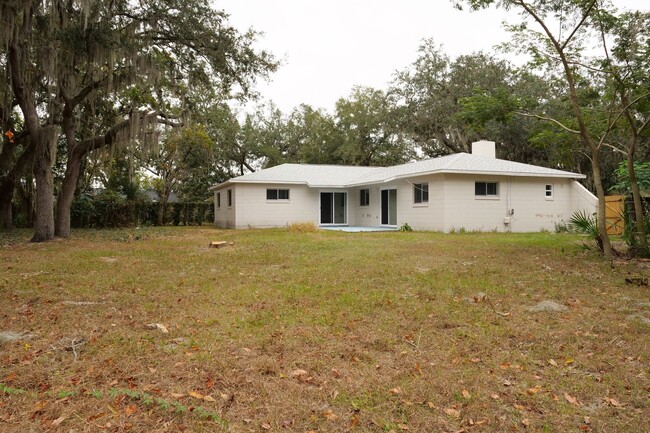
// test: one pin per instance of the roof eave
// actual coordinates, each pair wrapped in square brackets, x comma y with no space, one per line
[567,175]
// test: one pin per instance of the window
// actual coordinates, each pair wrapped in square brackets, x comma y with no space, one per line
[420,193]
[229,197]
[364,197]
[277,194]
[218,199]
[549,192]
[486,189]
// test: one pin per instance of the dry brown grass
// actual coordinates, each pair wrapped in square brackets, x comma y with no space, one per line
[303,227]
[323,331]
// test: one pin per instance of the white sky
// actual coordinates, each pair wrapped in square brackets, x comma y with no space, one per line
[329,46]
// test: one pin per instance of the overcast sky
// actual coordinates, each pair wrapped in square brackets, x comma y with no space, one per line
[327,47]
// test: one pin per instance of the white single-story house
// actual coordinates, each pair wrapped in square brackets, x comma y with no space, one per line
[473,191]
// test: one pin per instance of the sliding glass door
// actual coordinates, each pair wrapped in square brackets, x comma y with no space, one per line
[333,208]
[389,207]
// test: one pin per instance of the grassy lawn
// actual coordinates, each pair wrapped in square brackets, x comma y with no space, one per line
[324,331]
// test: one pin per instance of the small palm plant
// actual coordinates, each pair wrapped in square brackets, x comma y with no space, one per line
[582,222]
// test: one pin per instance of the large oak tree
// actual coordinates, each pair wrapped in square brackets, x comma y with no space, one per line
[141,61]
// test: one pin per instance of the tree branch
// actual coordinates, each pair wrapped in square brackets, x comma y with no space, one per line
[582,21]
[548,119]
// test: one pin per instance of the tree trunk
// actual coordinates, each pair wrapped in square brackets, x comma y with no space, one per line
[6,198]
[603,240]
[66,193]
[639,223]
[45,140]
[160,220]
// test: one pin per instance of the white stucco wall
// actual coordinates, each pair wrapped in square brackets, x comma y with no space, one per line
[532,210]
[255,211]
[452,204]
[224,215]
[364,216]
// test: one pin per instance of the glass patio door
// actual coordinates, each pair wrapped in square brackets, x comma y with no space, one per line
[333,208]
[389,207]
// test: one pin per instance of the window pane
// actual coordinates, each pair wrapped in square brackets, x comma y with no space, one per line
[364,197]
[283,194]
[271,194]
[417,193]
[491,188]
[425,192]
[480,188]
[230,197]
[218,199]
[549,190]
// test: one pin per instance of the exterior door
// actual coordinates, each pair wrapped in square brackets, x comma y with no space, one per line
[333,208]
[389,207]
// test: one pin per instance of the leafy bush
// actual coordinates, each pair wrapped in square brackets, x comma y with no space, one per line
[113,210]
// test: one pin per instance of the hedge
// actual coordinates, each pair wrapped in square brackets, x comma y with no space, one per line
[114,211]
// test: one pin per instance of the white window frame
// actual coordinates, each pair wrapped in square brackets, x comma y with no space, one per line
[421,189]
[549,188]
[364,193]
[487,196]
[277,195]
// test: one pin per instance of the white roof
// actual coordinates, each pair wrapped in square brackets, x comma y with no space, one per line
[338,176]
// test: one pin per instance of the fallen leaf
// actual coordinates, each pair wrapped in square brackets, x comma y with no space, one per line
[504,366]
[265,426]
[465,393]
[195,395]
[354,421]
[329,415]
[298,373]
[534,390]
[587,420]
[403,426]
[519,407]
[96,416]
[431,405]
[58,421]
[130,409]
[613,402]
[113,410]
[159,326]
[176,395]
[568,361]
[395,391]
[552,362]
[452,412]
[11,377]
[495,396]
[209,398]
[571,399]
[525,422]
